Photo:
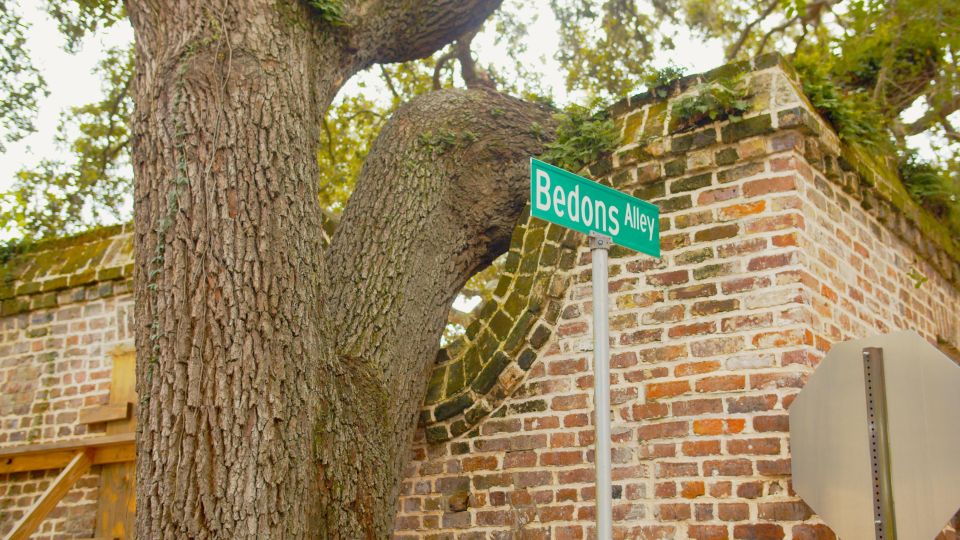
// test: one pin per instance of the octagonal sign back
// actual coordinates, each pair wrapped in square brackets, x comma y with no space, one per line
[830,438]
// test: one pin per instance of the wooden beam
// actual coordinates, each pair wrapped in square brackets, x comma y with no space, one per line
[105,413]
[37,457]
[77,467]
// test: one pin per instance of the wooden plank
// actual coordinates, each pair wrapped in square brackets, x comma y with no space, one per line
[77,467]
[106,413]
[117,498]
[37,457]
[69,444]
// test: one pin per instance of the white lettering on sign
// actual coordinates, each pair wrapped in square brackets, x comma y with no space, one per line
[582,209]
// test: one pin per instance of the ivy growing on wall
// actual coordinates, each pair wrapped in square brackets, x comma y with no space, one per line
[716,100]
[582,137]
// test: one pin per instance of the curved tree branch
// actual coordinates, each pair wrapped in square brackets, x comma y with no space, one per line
[438,198]
[410,29]
[745,33]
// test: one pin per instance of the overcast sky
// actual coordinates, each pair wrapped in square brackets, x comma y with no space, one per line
[71,80]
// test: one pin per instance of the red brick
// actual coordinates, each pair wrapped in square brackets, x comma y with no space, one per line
[776,380]
[560,459]
[696,407]
[764,186]
[641,336]
[745,322]
[774,223]
[717,195]
[813,532]
[484,463]
[723,383]
[786,240]
[785,511]
[494,517]
[738,211]
[710,307]
[674,512]
[667,389]
[569,403]
[776,467]
[674,470]
[674,277]
[693,291]
[707,532]
[765,446]
[751,404]
[647,411]
[733,511]
[717,346]
[695,368]
[663,430]
[665,490]
[770,261]
[701,448]
[572,329]
[519,459]
[692,329]
[728,467]
[692,490]
[716,233]
[703,511]
[738,285]
[721,489]
[779,422]
[718,426]
[566,366]
[750,490]
[764,531]
[556,513]
[664,314]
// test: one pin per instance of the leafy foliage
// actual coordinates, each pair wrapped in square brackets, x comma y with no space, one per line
[330,11]
[21,84]
[658,80]
[851,113]
[712,101]
[582,137]
[934,189]
[59,197]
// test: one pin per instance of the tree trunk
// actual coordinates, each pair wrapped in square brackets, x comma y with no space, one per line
[280,385]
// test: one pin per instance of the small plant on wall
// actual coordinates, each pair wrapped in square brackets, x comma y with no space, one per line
[716,100]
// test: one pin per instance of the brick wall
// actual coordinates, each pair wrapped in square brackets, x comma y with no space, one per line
[776,244]
[63,309]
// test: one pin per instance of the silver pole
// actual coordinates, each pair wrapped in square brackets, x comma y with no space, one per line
[599,245]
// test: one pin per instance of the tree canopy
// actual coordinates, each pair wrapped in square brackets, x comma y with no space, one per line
[880,72]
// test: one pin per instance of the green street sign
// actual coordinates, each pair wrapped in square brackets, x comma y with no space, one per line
[583,205]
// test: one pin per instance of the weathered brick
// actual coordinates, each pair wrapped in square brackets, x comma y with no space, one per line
[733,511]
[764,186]
[764,446]
[784,511]
[667,390]
[763,531]
[724,383]
[716,233]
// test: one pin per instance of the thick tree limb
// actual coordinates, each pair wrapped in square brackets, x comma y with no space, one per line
[438,198]
[411,29]
[933,116]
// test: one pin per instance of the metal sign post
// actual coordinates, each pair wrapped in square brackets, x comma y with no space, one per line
[875,389]
[599,245]
[609,217]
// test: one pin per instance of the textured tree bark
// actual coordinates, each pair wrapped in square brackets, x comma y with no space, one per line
[280,385]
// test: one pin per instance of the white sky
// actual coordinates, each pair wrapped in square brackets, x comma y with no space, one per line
[71,80]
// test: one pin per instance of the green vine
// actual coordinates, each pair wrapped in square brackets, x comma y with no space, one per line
[933,188]
[716,100]
[582,137]
[330,11]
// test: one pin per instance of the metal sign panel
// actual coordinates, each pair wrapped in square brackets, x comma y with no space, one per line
[830,438]
[583,205]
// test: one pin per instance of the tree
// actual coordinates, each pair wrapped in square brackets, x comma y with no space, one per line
[281,375]
[282,378]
